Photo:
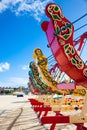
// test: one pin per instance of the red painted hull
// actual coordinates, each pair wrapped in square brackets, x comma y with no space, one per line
[77,71]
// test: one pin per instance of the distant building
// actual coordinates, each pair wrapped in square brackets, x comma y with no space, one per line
[1,89]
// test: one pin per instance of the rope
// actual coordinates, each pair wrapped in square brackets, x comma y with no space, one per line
[80,27]
[52,61]
[55,33]
[51,56]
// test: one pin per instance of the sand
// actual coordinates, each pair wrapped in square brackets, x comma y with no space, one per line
[16,113]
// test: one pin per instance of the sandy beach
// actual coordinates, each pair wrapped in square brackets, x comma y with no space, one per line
[10,103]
[16,113]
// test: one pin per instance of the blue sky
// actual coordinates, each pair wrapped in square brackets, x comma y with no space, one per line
[20,33]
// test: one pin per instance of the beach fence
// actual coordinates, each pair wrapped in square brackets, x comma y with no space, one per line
[50,112]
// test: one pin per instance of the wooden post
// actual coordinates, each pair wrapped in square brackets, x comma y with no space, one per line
[84,110]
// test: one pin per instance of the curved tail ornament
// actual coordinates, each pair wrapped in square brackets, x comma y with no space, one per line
[36,76]
[43,70]
[34,82]
[59,31]
[32,88]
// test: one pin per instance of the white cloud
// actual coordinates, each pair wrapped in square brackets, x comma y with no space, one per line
[34,8]
[25,67]
[4,66]
[14,82]
[18,81]
[2,7]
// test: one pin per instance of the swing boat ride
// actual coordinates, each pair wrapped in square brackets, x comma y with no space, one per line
[54,91]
